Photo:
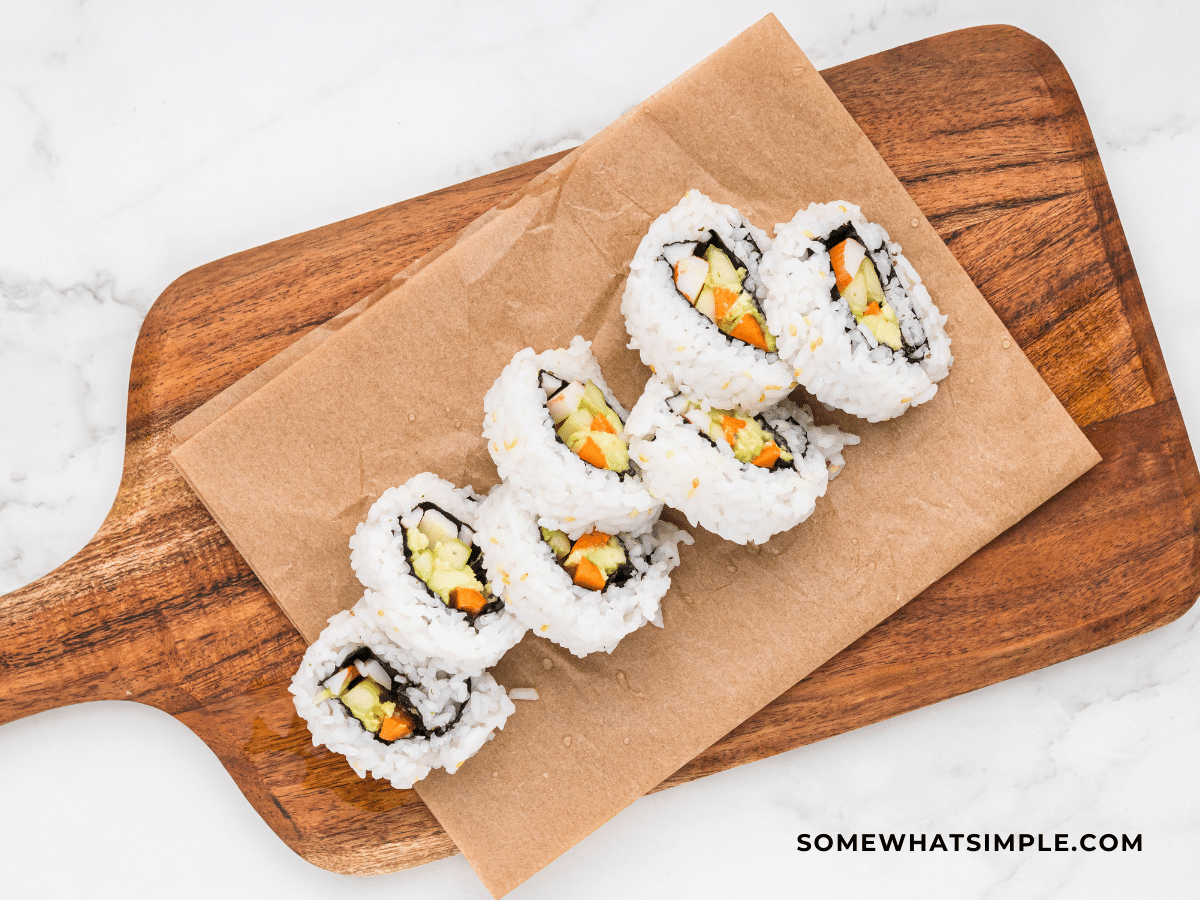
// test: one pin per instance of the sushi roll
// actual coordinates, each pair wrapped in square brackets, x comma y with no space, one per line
[392,713]
[851,313]
[418,556]
[744,476]
[693,307]
[557,436]
[584,594]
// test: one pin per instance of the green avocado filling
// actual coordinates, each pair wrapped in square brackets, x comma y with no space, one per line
[722,297]
[867,301]
[589,426]
[441,559]
[372,703]
[751,443]
[604,552]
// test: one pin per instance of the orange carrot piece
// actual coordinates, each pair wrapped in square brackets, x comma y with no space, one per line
[590,452]
[732,425]
[750,331]
[723,300]
[872,309]
[767,458]
[468,600]
[588,575]
[395,727]
[601,423]
[837,257]
[590,540]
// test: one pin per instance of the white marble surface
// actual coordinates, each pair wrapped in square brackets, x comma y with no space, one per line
[139,140]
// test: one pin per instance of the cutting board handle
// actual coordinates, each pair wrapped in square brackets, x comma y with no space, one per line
[79,633]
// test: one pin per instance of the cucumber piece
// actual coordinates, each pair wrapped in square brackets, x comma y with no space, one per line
[558,541]
[437,527]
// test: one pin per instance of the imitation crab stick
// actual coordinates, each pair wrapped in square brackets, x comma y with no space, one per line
[732,425]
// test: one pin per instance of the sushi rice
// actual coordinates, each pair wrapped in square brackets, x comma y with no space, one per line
[404,605]
[565,493]
[836,359]
[478,702]
[703,479]
[541,593]
[680,344]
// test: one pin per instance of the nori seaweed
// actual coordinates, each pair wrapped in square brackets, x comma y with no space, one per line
[474,560]
[839,234]
[633,469]
[399,697]
[714,240]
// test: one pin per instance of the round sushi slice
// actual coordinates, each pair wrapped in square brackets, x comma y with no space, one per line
[392,713]
[557,436]
[741,475]
[583,594]
[418,555]
[693,307]
[851,313]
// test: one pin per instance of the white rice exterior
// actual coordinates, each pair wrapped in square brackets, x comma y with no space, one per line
[404,606]
[566,493]
[740,502]
[679,343]
[836,359]
[539,591]
[407,761]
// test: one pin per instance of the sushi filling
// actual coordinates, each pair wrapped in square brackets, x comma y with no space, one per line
[585,422]
[751,439]
[860,287]
[710,277]
[382,701]
[441,551]
[595,562]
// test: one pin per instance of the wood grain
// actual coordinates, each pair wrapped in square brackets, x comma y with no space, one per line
[986,131]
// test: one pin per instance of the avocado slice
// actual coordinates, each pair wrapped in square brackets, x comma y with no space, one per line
[452,554]
[721,270]
[363,702]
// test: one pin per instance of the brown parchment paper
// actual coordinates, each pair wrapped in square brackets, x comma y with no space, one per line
[291,465]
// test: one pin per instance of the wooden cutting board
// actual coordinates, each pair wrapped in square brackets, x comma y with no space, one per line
[984,128]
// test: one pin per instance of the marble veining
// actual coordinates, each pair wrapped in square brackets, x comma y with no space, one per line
[140,140]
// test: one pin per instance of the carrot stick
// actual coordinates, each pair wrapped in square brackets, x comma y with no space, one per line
[589,451]
[872,309]
[588,575]
[468,600]
[767,458]
[592,539]
[601,423]
[394,727]
[750,331]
